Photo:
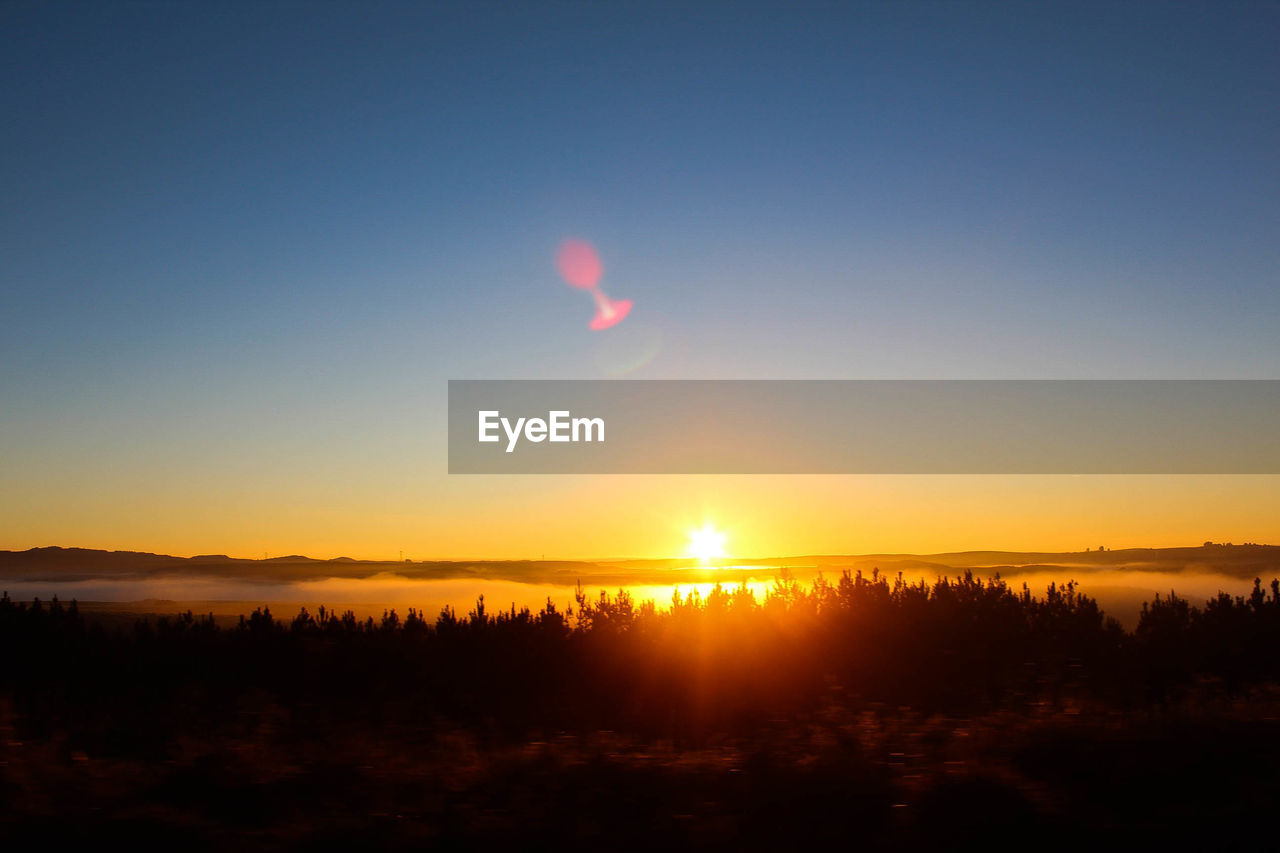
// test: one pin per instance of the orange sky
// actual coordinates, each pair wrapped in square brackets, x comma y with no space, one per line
[641,516]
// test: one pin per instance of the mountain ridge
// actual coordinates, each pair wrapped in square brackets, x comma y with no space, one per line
[66,564]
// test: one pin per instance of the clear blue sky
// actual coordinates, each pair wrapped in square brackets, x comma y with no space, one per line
[229,230]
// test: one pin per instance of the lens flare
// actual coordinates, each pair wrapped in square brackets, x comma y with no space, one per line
[608,312]
[628,349]
[580,265]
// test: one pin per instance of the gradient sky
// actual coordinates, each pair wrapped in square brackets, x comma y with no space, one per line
[243,247]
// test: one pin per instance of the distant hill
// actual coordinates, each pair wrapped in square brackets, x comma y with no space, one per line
[56,564]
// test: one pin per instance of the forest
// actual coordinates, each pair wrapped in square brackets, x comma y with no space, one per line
[869,709]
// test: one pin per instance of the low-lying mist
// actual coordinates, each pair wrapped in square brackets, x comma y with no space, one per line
[1120,593]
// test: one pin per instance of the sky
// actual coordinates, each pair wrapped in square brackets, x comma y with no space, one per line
[243,247]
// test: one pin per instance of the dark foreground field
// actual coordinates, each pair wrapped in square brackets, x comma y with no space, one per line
[868,714]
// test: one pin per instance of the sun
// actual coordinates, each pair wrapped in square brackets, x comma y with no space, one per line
[706,543]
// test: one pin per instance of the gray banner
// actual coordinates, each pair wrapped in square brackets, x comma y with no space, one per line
[864,427]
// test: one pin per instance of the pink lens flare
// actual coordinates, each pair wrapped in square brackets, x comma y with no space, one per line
[609,313]
[579,264]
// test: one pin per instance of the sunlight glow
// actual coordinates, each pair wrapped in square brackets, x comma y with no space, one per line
[706,543]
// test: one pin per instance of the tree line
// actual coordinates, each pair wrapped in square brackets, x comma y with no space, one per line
[724,661]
